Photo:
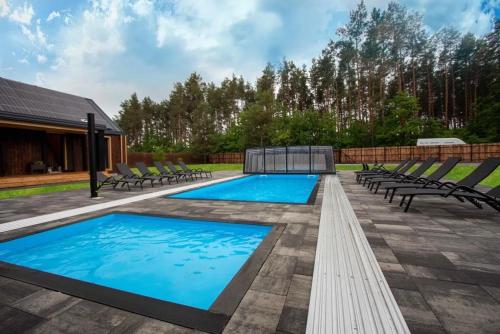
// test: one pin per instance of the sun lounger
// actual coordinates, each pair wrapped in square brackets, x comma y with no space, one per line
[458,190]
[199,171]
[430,181]
[164,172]
[381,171]
[127,174]
[171,167]
[403,178]
[400,172]
[141,166]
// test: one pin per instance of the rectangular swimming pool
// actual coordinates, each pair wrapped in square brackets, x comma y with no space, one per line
[278,188]
[183,261]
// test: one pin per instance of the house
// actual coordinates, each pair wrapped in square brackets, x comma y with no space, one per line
[44,131]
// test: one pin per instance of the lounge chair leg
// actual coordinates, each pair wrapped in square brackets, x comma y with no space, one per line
[402,201]
[392,195]
[473,201]
[376,189]
[386,193]
[128,186]
[409,202]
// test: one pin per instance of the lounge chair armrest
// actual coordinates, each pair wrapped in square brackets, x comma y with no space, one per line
[448,184]
[468,189]
[430,182]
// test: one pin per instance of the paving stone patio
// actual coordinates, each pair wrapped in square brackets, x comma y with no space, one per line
[441,260]
[276,301]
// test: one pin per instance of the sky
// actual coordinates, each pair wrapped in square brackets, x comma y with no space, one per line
[107,50]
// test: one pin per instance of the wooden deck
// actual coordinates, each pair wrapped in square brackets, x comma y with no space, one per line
[41,179]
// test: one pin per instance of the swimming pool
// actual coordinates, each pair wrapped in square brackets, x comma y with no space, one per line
[279,188]
[177,260]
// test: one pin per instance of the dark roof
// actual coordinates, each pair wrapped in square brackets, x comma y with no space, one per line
[24,102]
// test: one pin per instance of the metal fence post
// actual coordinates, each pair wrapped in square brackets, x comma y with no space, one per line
[264,159]
[310,162]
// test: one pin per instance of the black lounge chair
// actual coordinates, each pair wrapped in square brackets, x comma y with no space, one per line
[366,168]
[381,171]
[430,181]
[404,178]
[171,167]
[393,174]
[458,190]
[199,171]
[141,166]
[104,180]
[166,173]
[127,174]
[491,197]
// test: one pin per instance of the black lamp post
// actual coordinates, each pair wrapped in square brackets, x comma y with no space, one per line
[92,155]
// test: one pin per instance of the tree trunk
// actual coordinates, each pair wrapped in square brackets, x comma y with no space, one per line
[446,96]
[430,104]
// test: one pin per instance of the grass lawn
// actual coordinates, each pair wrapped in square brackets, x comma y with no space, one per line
[4,194]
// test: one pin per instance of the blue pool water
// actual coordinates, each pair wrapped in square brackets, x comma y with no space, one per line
[177,260]
[282,188]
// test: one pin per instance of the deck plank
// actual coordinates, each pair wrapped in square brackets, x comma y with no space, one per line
[18,181]
[349,292]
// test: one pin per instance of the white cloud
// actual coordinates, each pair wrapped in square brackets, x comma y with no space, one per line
[84,61]
[24,60]
[143,7]
[23,14]
[4,8]
[37,37]
[67,18]
[40,78]
[41,59]
[53,15]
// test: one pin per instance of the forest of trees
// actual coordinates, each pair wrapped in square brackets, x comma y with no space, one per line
[382,81]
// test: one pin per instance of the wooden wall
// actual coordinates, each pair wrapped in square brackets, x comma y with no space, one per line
[19,148]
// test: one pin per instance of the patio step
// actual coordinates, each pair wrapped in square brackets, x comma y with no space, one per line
[349,292]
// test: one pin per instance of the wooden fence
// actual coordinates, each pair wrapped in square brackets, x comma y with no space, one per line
[226,158]
[468,153]
[148,158]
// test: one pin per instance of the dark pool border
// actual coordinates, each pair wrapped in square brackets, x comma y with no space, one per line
[212,321]
[310,201]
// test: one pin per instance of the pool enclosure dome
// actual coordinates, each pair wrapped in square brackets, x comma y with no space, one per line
[289,160]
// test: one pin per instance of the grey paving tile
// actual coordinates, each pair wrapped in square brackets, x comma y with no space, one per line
[46,303]
[16,321]
[299,292]
[270,284]
[12,291]
[462,308]
[293,320]
[414,307]
[259,312]
[152,326]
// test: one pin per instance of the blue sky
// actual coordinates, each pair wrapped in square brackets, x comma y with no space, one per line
[106,50]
